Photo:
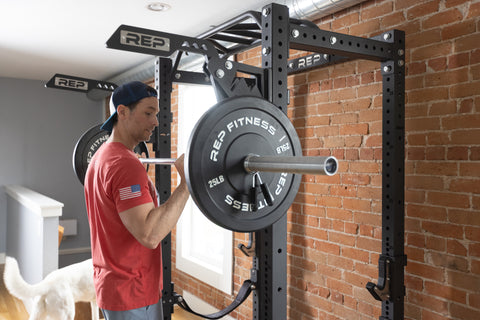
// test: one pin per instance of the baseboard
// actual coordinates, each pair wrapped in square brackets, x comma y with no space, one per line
[2,257]
[200,306]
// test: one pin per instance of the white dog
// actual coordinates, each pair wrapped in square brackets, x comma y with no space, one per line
[54,297]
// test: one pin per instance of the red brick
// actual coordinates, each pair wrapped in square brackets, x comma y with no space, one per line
[436,243]
[474,300]
[355,254]
[416,139]
[442,18]
[463,280]
[446,78]
[474,10]
[435,153]
[343,239]
[465,137]
[357,104]
[474,250]
[440,138]
[345,21]
[465,217]
[415,254]
[470,169]
[448,261]
[416,240]
[475,266]
[431,51]
[454,3]
[465,89]
[426,212]
[467,105]
[475,72]
[465,185]
[416,68]
[369,90]
[457,153]
[443,229]
[437,64]
[352,141]
[354,129]
[462,312]
[424,182]
[405,4]
[415,154]
[446,292]
[414,83]
[425,271]
[343,119]
[365,29]
[369,193]
[458,60]
[427,94]
[476,202]
[340,286]
[472,233]
[475,56]
[389,21]
[422,9]
[437,168]
[448,199]
[340,263]
[345,215]
[377,11]
[373,141]
[429,315]
[459,30]
[369,244]
[365,167]
[357,204]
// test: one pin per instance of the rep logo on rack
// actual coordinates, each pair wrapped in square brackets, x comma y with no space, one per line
[71,83]
[143,40]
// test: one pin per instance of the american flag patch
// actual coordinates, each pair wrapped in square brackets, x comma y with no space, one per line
[130,192]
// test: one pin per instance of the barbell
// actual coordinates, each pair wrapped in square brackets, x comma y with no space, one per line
[243,163]
[254,163]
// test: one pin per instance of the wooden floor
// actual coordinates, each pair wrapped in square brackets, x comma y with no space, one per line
[12,309]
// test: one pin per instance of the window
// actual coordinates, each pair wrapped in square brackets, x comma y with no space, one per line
[204,250]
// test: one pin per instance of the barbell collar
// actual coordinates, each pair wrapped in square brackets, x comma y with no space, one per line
[291,164]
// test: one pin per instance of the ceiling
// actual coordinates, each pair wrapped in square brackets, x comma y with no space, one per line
[41,38]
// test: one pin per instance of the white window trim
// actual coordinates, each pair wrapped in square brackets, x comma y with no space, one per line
[216,275]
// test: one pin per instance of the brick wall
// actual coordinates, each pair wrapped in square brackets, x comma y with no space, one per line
[334,227]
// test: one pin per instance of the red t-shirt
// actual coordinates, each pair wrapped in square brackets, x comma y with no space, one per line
[127,275]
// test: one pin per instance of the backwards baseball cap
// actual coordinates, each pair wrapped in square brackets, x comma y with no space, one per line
[127,94]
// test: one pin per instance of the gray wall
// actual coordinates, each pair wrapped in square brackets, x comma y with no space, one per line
[39,128]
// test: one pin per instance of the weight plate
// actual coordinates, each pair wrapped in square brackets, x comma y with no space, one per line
[218,145]
[88,144]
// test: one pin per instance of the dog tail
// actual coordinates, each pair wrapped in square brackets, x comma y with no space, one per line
[14,281]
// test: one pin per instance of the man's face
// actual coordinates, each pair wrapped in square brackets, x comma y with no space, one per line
[142,120]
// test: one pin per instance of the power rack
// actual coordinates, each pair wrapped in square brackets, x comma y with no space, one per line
[275,32]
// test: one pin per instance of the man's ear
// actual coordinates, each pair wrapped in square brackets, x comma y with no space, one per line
[121,110]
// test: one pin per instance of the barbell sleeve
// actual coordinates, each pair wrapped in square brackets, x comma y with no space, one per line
[302,165]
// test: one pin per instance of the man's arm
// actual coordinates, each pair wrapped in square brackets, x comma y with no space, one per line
[149,225]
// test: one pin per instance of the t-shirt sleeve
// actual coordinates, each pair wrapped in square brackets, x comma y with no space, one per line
[130,185]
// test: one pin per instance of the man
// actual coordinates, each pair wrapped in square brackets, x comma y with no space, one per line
[126,223]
